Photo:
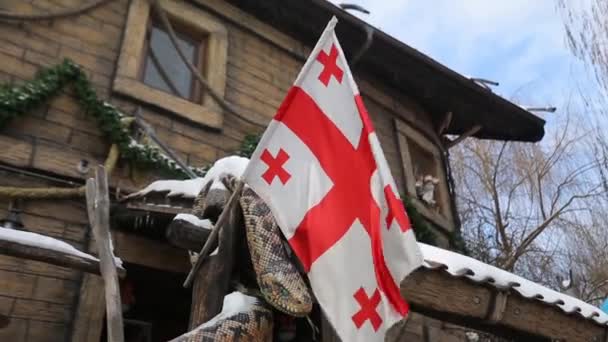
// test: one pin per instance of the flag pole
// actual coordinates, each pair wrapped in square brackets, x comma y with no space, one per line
[213,237]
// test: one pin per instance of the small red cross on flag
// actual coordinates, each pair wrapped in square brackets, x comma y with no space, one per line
[275,166]
[320,168]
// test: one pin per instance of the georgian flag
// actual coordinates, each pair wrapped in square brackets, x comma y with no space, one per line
[320,168]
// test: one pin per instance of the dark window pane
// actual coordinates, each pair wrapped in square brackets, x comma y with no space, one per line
[162,56]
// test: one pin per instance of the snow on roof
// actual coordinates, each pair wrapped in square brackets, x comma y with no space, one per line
[190,188]
[462,266]
[42,241]
[194,220]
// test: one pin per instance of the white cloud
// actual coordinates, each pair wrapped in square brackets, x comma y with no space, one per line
[518,43]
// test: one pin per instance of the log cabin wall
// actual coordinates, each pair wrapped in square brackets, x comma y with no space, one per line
[47,303]
[40,298]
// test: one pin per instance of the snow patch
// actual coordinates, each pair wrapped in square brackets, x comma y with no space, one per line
[184,188]
[42,241]
[190,188]
[234,303]
[460,265]
[194,220]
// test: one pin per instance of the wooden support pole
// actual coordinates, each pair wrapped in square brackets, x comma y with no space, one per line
[445,123]
[221,221]
[463,136]
[98,206]
[186,235]
[19,250]
[212,282]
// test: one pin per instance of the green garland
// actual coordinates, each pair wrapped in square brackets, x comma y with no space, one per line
[249,144]
[19,100]
[419,224]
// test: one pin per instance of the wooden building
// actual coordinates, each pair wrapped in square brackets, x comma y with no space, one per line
[250,52]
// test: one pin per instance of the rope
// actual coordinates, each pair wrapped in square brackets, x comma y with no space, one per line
[59,193]
[41,193]
[216,97]
[112,159]
[53,15]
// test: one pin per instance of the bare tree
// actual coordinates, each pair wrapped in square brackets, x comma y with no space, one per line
[516,200]
[586,31]
[586,250]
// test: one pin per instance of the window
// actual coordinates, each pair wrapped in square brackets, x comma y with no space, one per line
[425,178]
[150,70]
[163,68]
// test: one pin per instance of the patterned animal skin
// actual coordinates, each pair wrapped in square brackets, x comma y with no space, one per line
[279,280]
[254,325]
[280,283]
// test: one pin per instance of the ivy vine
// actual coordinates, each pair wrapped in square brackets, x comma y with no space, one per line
[18,100]
[419,224]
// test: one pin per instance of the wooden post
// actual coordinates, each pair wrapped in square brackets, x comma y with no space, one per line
[463,136]
[98,206]
[212,281]
[221,221]
[186,235]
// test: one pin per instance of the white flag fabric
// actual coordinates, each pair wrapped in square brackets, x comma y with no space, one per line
[320,168]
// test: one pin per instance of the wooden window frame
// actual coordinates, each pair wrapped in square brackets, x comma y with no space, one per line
[185,33]
[443,218]
[133,52]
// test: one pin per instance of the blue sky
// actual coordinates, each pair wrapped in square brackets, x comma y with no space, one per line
[518,43]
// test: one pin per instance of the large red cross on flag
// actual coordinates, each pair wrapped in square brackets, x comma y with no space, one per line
[320,168]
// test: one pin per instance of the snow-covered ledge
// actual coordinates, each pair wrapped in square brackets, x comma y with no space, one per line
[233,165]
[461,290]
[462,266]
[33,246]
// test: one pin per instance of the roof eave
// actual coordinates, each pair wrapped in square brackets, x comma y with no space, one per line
[438,88]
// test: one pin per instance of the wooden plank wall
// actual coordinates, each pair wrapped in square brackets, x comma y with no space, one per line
[39,298]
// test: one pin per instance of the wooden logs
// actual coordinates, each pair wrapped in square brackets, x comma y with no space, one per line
[505,313]
[186,235]
[221,222]
[98,206]
[212,281]
[52,257]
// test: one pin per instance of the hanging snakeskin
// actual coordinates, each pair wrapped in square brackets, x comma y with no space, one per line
[253,325]
[280,282]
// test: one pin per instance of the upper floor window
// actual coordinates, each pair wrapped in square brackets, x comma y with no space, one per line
[425,178]
[164,69]
[150,69]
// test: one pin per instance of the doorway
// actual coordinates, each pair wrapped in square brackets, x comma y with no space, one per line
[156,308]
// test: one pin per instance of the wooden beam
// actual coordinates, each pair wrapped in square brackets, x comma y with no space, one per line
[16,249]
[150,253]
[212,239]
[98,206]
[463,136]
[445,123]
[461,301]
[159,208]
[186,235]
[212,282]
